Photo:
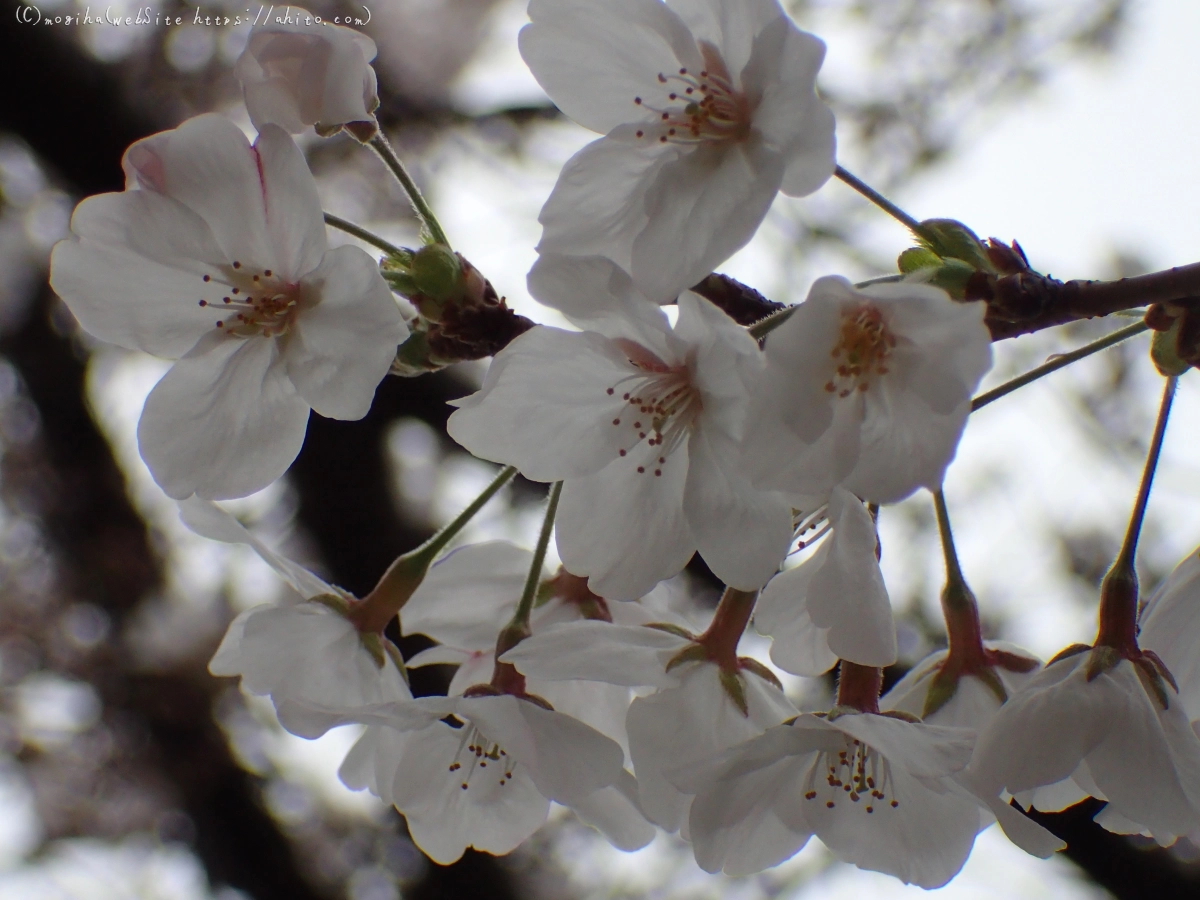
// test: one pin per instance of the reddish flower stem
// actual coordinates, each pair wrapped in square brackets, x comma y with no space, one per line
[859,686]
[728,624]
[966,652]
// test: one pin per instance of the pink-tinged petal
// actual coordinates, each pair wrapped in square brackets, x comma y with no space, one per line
[295,221]
[724,363]
[566,759]
[345,335]
[208,165]
[715,197]
[613,811]
[225,421]
[742,533]
[799,646]
[598,295]
[545,405]
[468,595]
[846,594]
[598,206]
[444,819]
[593,59]
[731,27]
[626,529]
[592,650]
[207,519]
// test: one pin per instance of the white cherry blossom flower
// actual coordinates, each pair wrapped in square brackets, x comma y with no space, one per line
[642,423]
[834,605]
[1114,731]
[697,711]
[215,255]
[708,109]
[479,771]
[307,657]
[300,73]
[1170,626]
[868,388]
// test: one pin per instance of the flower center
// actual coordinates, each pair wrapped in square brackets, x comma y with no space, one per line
[862,351]
[251,303]
[475,752]
[661,404]
[855,772]
[702,107]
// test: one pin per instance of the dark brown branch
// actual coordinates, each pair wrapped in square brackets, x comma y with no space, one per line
[740,302]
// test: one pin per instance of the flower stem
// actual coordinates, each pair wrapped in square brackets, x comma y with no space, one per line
[1119,590]
[859,686]
[380,145]
[407,572]
[529,594]
[1058,362]
[877,198]
[728,624]
[966,652]
[362,234]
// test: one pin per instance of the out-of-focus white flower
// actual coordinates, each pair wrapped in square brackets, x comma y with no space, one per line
[1116,731]
[215,255]
[708,110]
[307,657]
[698,710]
[834,605]
[1170,626]
[878,791]
[479,771]
[866,388]
[300,72]
[642,423]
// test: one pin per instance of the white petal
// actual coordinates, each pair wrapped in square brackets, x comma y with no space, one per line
[732,28]
[626,530]
[468,595]
[225,421]
[613,811]
[342,345]
[1170,626]
[594,58]
[544,405]
[925,751]
[207,519]
[715,198]
[208,165]
[295,221]
[799,646]
[592,650]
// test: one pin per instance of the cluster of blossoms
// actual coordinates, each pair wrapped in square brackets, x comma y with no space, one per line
[664,436]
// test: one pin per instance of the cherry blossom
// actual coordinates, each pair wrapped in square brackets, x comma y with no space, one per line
[642,423]
[1110,728]
[707,109]
[834,605]
[480,771]
[215,255]
[300,73]
[868,388]
[307,657]
[1170,626]
[699,708]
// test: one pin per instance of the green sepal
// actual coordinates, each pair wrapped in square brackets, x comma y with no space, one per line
[989,677]
[394,652]
[671,629]
[915,258]
[690,653]
[1164,351]
[414,357]
[438,273]
[900,714]
[952,277]
[749,664]
[1100,660]
[336,602]
[374,645]
[731,682]
[1072,650]
[1152,681]
[951,239]
[942,688]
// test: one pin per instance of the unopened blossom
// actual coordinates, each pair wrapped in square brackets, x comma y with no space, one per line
[479,771]
[707,111]
[834,605]
[299,72]
[1170,626]
[1093,723]
[307,657]
[642,423]
[215,255]
[697,711]
[878,791]
[868,388]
